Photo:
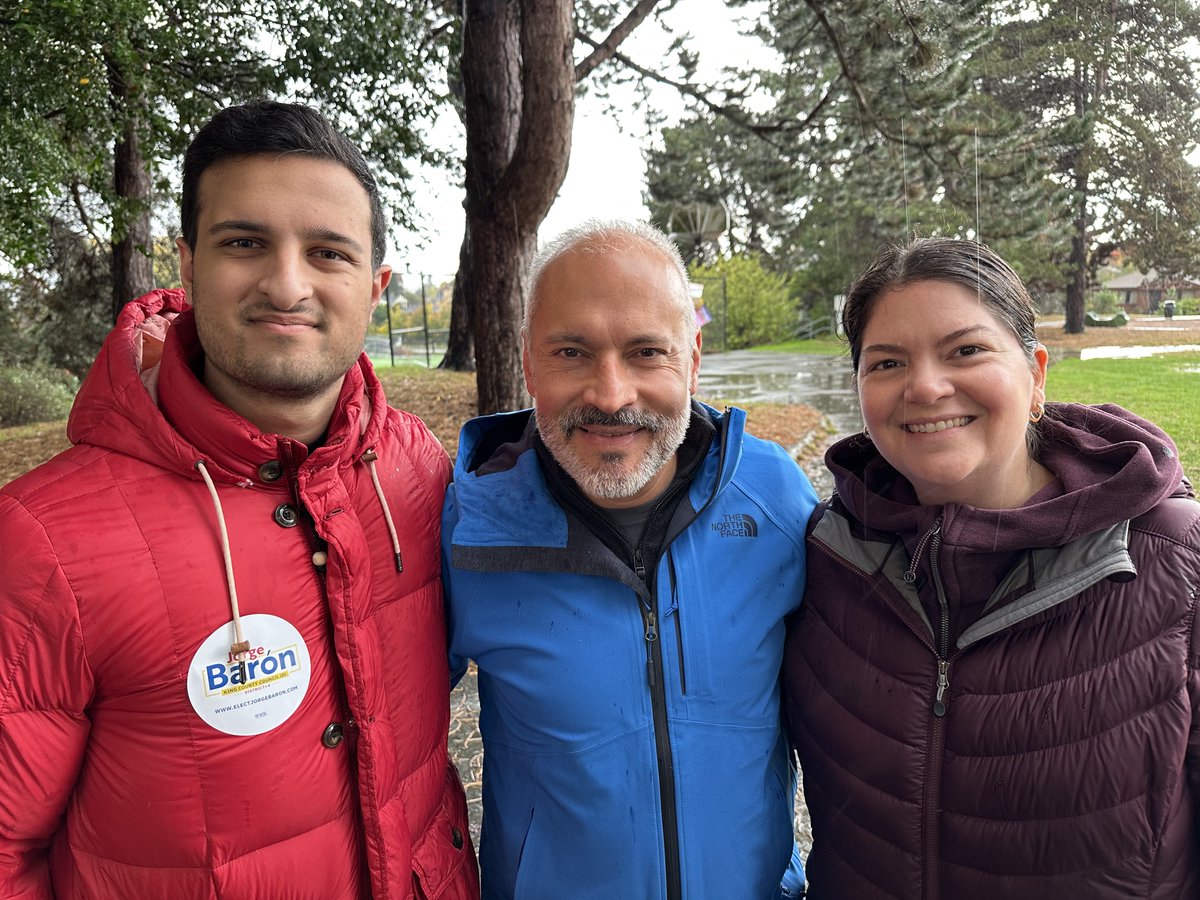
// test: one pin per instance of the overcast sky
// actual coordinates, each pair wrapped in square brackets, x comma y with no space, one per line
[606,177]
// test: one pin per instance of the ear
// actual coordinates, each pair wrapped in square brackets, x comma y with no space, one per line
[1041,359]
[526,363]
[695,379]
[185,265]
[383,277]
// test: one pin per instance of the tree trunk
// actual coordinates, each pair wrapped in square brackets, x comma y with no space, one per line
[1077,286]
[132,267]
[1078,261]
[460,344]
[519,83]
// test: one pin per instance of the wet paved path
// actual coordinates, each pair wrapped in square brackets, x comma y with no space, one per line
[822,382]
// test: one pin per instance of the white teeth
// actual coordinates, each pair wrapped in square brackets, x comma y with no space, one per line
[938,426]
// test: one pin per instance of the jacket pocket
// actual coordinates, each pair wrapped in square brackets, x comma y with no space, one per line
[444,866]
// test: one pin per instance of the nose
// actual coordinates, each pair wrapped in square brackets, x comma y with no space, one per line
[611,387]
[286,282]
[925,383]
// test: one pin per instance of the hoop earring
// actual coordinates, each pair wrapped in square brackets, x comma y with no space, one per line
[866,433]
[1037,413]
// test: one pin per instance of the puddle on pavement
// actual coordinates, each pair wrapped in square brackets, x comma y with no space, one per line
[822,382]
[1135,352]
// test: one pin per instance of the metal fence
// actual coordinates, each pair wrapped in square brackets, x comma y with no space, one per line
[417,308]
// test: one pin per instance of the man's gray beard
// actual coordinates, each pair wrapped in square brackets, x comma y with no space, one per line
[613,481]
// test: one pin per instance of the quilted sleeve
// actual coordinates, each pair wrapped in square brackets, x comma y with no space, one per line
[45,686]
[454,604]
[1193,673]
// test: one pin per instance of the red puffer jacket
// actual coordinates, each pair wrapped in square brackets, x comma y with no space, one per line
[995,704]
[138,761]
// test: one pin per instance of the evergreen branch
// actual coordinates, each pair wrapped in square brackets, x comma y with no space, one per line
[731,113]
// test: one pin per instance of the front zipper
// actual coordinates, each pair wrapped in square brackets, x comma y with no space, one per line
[937,730]
[654,673]
[942,697]
[937,723]
[658,699]
[662,746]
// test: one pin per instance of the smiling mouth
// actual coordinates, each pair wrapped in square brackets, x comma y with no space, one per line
[941,425]
[609,431]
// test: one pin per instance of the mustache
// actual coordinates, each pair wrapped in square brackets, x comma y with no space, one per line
[627,417]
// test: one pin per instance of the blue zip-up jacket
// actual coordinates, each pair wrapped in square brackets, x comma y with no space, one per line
[631,738]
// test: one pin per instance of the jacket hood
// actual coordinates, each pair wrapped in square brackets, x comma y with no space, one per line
[154,344]
[1112,466]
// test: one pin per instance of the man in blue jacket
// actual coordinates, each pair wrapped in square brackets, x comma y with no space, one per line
[620,563]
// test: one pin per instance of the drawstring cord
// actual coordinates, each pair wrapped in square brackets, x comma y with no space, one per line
[369,458]
[240,646]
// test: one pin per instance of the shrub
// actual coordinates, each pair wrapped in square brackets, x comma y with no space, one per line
[748,303]
[35,394]
[1188,306]
[1106,302]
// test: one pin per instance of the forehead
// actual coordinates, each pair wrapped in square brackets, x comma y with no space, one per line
[260,186]
[633,284]
[930,307]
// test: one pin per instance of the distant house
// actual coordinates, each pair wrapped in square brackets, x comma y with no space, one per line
[1144,292]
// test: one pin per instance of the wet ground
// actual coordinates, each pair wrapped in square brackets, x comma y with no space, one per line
[822,382]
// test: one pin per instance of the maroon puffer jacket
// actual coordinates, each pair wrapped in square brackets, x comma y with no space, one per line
[135,760]
[1045,744]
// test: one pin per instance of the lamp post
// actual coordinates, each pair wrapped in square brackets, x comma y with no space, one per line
[425,321]
[387,298]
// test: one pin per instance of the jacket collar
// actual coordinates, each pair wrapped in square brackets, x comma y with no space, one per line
[142,398]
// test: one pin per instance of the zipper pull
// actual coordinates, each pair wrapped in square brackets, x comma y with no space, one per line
[638,566]
[910,576]
[943,685]
[651,627]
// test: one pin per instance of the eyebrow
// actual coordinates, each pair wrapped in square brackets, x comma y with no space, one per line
[574,337]
[950,338]
[327,235]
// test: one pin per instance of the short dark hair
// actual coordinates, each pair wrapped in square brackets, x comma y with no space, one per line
[268,127]
[970,265]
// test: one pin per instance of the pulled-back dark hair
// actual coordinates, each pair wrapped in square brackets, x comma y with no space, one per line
[267,127]
[970,265]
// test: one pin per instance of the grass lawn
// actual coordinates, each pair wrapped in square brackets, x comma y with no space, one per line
[383,361]
[1164,389]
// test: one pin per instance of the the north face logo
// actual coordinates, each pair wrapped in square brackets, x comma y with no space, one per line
[736,525]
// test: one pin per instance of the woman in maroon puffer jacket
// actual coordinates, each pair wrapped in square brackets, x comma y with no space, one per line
[992,682]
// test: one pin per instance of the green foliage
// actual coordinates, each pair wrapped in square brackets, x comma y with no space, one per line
[34,395]
[1105,302]
[755,307]
[1158,388]
[1017,123]
[75,75]
[1188,306]
[57,318]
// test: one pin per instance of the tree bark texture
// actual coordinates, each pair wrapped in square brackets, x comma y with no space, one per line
[460,343]
[132,267]
[519,82]
[1077,276]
